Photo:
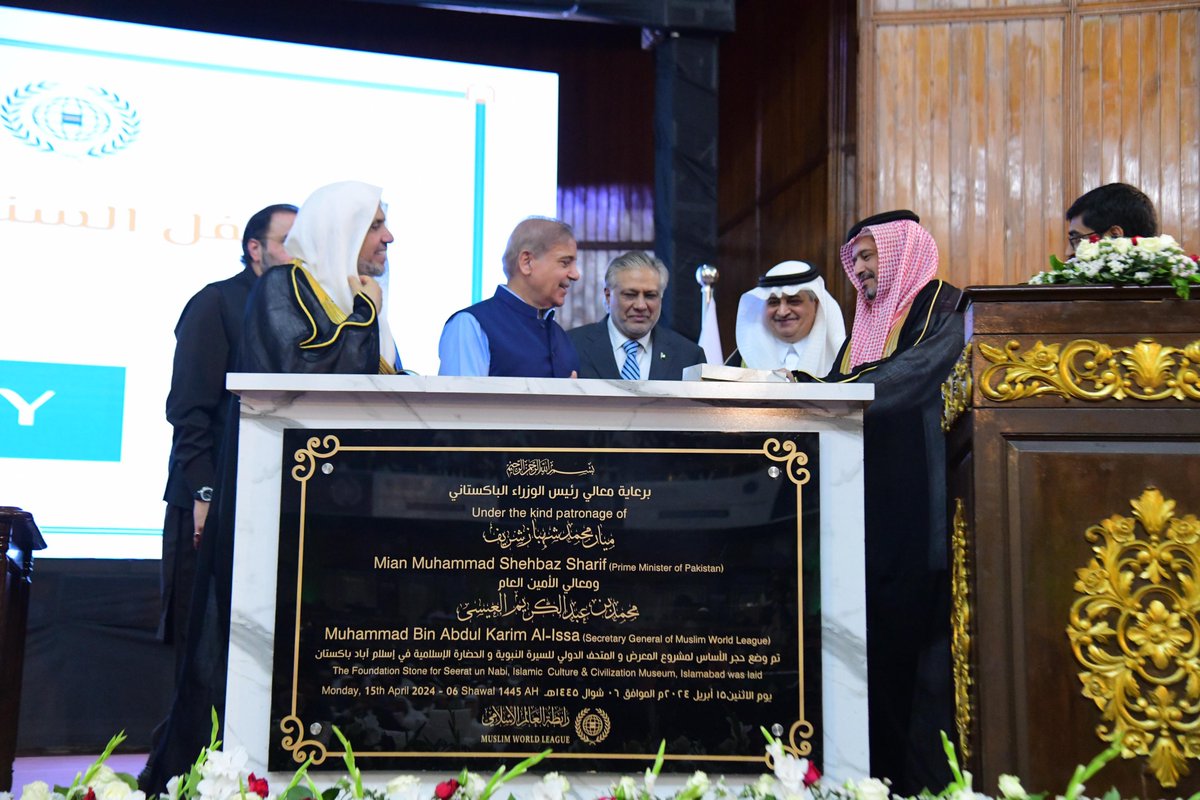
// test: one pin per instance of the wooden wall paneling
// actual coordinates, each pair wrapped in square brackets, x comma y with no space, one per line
[841,144]
[885,134]
[1110,110]
[1053,169]
[1127,144]
[960,217]
[786,229]
[1169,121]
[794,104]
[923,88]
[1150,96]
[1092,98]
[738,249]
[977,154]
[1016,155]
[1188,199]
[907,126]
[995,207]
[938,202]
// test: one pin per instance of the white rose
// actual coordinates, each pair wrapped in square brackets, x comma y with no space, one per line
[1152,244]
[1087,250]
[1010,787]
[626,789]
[475,785]
[552,787]
[221,774]
[788,769]
[763,786]
[38,790]
[1121,245]
[648,781]
[114,790]
[402,787]
[871,789]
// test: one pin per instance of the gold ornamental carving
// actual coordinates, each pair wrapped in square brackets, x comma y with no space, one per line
[295,743]
[960,626]
[1085,369]
[794,460]
[956,390]
[306,457]
[1134,631]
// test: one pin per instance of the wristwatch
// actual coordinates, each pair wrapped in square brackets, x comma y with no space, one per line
[203,494]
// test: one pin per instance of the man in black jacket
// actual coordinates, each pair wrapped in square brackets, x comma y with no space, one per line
[629,343]
[206,339]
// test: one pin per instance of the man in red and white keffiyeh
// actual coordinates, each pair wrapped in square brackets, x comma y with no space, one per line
[907,335]
[889,263]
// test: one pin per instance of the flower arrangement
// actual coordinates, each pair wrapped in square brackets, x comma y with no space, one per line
[1141,260]
[220,775]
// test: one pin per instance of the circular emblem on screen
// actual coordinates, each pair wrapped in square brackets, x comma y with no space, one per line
[592,726]
[74,121]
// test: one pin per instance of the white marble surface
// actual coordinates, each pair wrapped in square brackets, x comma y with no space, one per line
[272,403]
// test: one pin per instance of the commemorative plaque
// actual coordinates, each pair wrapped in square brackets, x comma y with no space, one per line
[459,596]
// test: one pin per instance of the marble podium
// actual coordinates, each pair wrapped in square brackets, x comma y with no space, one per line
[423,417]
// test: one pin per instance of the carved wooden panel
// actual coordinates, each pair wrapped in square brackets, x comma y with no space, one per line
[1080,496]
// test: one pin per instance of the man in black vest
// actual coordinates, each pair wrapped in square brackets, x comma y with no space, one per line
[514,333]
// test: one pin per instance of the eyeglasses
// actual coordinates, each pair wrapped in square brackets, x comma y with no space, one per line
[1075,237]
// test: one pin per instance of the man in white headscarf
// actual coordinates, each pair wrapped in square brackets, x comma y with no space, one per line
[789,321]
[324,311]
[320,313]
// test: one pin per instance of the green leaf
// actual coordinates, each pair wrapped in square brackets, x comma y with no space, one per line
[355,775]
[658,761]
[81,781]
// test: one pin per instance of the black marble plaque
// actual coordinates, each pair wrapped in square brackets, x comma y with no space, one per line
[459,596]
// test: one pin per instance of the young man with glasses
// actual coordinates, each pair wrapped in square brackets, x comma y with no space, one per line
[1115,209]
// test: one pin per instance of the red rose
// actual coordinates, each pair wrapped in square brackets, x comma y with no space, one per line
[1196,258]
[257,785]
[91,794]
[813,775]
[1095,237]
[446,789]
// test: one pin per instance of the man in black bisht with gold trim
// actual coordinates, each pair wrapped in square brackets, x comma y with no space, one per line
[321,313]
[324,312]
[906,338]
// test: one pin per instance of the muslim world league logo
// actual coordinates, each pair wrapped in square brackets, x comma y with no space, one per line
[77,121]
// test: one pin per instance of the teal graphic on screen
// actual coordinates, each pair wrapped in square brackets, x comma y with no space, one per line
[66,412]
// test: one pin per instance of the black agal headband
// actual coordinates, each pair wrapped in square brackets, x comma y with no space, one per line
[879,219]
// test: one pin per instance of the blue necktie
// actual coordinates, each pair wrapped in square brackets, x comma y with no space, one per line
[630,371]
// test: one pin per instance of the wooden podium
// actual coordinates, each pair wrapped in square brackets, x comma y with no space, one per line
[19,537]
[313,437]
[1074,470]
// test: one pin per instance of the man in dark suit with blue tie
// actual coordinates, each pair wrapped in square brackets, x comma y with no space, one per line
[629,343]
